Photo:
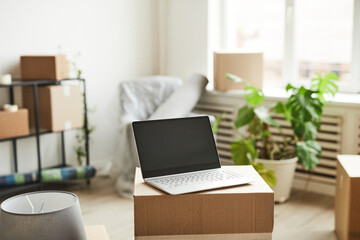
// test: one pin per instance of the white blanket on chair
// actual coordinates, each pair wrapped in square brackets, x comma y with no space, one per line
[138,100]
[149,98]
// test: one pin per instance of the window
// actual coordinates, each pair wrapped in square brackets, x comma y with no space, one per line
[298,38]
[324,36]
[259,26]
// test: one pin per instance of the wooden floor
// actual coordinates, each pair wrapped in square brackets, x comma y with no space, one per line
[305,216]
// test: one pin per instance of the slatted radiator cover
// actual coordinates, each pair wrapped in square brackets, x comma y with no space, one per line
[330,138]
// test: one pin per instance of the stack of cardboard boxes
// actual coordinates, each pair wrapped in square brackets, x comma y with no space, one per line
[60,107]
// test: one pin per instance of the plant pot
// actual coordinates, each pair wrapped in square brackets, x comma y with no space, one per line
[284,172]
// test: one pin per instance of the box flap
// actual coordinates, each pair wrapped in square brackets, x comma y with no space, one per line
[258,186]
[351,164]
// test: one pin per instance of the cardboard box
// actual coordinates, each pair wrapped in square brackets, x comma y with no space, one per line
[44,67]
[60,107]
[246,65]
[347,199]
[14,124]
[247,209]
[96,232]
[235,236]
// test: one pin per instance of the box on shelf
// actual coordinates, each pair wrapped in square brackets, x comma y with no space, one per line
[44,67]
[14,124]
[246,210]
[347,198]
[60,107]
[246,65]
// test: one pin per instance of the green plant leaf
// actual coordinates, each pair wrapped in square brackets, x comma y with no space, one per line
[284,109]
[279,107]
[250,147]
[234,78]
[263,114]
[325,85]
[315,146]
[254,96]
[289,87]
[244,116]
[239,152]
[267,174]
[303,106]
[308,153]
[310,132]
[216,123]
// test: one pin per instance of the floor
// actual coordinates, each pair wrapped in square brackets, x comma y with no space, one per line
[306,216]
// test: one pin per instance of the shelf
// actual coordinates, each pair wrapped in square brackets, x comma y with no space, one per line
[37,132]
[34,134]
[17,82]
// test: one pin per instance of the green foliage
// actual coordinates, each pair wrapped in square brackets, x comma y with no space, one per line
[243,151]
[80,137]
[263,114]
[257,119]
[267,174]
[254,96]
[244,116]
[234,78]
[79,72]
[216,123]
[303,110]
[308,152]
[80,148]
[326,85]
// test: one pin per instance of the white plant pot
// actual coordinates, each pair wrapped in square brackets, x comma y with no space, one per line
[284,172]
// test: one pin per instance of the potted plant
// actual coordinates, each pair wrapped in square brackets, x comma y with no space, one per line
[274,160]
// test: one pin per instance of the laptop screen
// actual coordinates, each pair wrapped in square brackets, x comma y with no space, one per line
[173,146]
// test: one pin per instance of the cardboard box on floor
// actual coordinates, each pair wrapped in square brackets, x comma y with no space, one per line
[347,198]
[228,212]
[14,124]
[60,107]
[44,68]
[246,65]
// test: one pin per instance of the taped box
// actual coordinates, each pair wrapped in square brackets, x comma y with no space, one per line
[347,198]
[241,212]
[60,107]
[246,65]
[44,68]
[14,124]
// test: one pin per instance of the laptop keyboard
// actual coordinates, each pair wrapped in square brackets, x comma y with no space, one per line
[195,178]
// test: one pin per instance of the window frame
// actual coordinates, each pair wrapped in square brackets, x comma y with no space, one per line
[290,65]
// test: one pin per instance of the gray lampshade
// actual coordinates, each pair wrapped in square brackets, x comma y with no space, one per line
[42,215]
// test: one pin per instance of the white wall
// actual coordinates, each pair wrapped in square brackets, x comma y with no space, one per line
[184,38]
[118,40]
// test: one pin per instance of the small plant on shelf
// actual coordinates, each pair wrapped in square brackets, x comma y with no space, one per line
[80,149]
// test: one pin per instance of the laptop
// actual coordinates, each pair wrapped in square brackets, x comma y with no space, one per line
[179,156]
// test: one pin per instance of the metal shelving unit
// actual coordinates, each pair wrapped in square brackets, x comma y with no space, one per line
[37,132]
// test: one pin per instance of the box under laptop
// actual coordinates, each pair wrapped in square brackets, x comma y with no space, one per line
[179,156]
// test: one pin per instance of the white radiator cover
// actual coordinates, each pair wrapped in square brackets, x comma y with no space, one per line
[339,134]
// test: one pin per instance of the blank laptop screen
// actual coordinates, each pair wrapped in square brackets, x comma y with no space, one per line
[172,146]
